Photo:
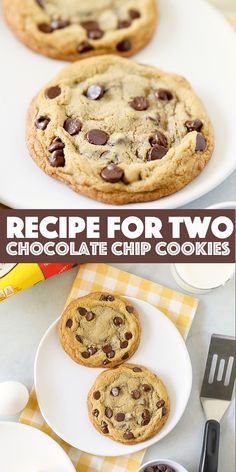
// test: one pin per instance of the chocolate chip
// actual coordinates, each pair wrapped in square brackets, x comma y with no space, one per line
[112,173]
[146,414]
[135,394]
[115,391]
[85,354]
[59,24]
[92,350]
[194,125]
[130,309]
[108,412]
[53,92]
[107,298]
[160,404]
[120,417]
[85,46]
[139,103]
[96,395]
[56,159]
[159,138]
[82,311]
[72,126]
[124,45]
[162,467]
[79,338]
[150,469]
[107,348]
[117,321]
[56,145]
[146,418]
[90,316]
[134,14]
[200,142]
[146,388]
[69,323]
[124,24]
[97,137]
[95,413]
[125,356]
[95,92]
[95,34]
[157,152]
[40,3]
[90,25]
[128,336]
[124,344]
[128,435]
[45,28]
[104,427]
[106,361]
[168,469]
[164,411]
[137,369]
[111,354]
[41,122]
[163,94]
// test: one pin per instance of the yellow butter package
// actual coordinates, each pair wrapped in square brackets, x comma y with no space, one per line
[17,277]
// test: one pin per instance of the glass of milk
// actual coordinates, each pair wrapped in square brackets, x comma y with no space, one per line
[202,278]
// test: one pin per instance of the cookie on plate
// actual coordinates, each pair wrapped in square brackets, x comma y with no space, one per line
[129,404]
[71,30]
[118,131]
[100,330]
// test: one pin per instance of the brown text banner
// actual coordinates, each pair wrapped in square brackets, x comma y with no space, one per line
[117,236]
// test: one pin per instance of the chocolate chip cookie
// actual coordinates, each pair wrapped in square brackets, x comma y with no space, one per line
[118,131]
[128,404]
[71,29]
[159,468]
[100,330]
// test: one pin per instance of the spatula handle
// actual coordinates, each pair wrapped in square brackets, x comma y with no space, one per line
[210,448]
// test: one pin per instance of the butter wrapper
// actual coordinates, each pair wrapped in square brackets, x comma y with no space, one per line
[17,277]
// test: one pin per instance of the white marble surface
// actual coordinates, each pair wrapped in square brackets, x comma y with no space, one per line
[25,317]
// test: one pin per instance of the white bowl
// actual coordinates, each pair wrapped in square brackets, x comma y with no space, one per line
[177,467]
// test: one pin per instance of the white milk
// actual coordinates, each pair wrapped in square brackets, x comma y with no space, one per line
[201,278]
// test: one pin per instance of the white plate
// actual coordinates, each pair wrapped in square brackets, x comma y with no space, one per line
[26,449]
[192,39]
[62,385]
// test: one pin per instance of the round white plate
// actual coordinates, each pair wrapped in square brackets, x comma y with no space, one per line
[62,385]
[192,38]
[26,449]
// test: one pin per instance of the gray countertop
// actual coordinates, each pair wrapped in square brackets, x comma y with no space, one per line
[223,193]
[25,317]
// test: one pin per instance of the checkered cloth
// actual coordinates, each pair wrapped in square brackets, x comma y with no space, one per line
[99,277]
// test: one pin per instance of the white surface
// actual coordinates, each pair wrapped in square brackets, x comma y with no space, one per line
[177,467]
[14,397]
[218,206]
[207,59]
[61,383]
[26,449]
[25,317]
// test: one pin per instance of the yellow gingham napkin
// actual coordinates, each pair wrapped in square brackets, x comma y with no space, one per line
[98,277]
